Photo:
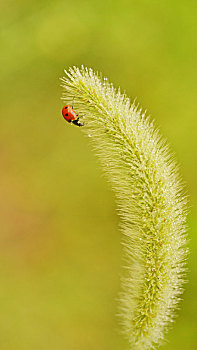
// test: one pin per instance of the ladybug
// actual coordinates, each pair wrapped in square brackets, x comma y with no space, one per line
[70,115]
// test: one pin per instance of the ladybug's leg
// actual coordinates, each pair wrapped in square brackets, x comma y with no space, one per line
[81,116]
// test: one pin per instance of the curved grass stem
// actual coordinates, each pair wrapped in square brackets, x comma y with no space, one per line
[151,203]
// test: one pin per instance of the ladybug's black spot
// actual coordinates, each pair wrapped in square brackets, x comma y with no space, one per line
[66,115]
[66,107]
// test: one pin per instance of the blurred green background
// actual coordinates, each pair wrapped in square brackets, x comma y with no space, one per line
[59,240]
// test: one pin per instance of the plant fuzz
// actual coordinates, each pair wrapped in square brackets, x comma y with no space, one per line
[151,204]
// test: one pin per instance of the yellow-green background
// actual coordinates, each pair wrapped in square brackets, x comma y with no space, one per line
[60,251]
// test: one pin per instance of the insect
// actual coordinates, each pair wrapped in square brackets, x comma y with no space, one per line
[70,115]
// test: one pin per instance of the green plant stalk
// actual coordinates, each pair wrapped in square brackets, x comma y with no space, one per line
[150,199]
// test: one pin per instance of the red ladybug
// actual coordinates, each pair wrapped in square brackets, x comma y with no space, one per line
[70,115]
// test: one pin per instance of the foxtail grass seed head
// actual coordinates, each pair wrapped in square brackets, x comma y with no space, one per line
[150,199]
